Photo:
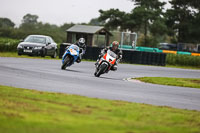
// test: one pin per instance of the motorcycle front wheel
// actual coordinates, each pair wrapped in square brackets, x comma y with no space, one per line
[66,61]
[100,70]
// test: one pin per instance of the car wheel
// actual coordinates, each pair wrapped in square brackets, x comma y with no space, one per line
[54,55]
[19,54]
[43,53]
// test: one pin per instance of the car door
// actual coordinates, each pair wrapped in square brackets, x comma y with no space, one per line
[54,45]
[49,47]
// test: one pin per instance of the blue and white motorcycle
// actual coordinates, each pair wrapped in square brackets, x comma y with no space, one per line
[70,56]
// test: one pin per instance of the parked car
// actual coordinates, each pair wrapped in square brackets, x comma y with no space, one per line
[38,45]
[167,46]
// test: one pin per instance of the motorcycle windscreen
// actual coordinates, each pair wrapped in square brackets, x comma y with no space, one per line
[75,47]
[112,54]
[110,57]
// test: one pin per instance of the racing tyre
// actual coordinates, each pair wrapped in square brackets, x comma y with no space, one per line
[66,61]
[100,70]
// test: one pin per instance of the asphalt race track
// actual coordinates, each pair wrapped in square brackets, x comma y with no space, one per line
[46,75]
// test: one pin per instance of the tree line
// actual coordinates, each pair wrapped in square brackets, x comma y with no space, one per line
[179,24]
[149,18]
[30,25]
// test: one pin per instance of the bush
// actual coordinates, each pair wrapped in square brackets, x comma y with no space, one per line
[183,60]
[8,45]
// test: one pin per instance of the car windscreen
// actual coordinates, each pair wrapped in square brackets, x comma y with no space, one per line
[35,39]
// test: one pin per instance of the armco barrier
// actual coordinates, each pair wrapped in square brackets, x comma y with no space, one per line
[184,53]
[169,52]
[129,56]
[195,54]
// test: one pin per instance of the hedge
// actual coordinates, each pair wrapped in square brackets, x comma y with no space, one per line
[8,45]
[183,60]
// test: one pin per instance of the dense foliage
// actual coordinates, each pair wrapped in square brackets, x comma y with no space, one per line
[183,60]
[7,44]
[180,23]
[30,25]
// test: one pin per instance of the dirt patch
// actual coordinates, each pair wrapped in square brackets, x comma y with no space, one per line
[60,103]
[103,118]
[119,103]
[195,81]
[11,115]
[85,111]
[92,107]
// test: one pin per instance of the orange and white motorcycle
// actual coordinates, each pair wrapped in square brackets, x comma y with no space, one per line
[105,63]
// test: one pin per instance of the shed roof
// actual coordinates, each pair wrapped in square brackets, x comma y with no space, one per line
[87,29]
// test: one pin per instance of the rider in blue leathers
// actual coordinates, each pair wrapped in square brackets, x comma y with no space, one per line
[81,44]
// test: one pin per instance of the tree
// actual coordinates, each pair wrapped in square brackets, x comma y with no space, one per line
[6,27]
[195,4]
[96,22]
[150,4]
[159,31]
[66,26]
[181,17]
[29,22]
[146,13]
[194,29]
[30,19]
[112,18]
[5,23]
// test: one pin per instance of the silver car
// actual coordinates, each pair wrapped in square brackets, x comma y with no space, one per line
[38,45]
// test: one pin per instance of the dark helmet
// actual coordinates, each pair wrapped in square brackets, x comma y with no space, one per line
[81,42]
[115,45]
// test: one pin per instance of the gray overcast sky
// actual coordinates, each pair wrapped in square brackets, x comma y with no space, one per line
[60,11]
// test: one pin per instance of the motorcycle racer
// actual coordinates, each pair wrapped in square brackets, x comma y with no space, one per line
[116,50]
[81,44]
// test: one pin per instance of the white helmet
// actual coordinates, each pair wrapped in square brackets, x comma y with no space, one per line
[81,42]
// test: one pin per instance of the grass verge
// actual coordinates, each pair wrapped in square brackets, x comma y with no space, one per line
[33,111]
[14,54]
[183,82]
[184,67]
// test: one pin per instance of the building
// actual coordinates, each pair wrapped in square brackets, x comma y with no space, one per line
[94,35]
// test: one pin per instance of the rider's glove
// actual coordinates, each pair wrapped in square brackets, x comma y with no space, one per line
[120,57]
[117,61]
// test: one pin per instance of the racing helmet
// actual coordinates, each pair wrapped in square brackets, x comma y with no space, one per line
[115,45]
[81,42]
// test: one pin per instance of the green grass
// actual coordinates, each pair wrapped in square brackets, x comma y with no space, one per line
[183,82]
[184,67]
[14,54]
[183,60]
[30,111]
